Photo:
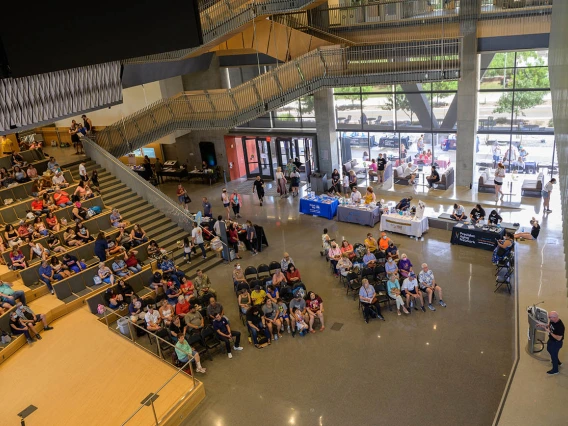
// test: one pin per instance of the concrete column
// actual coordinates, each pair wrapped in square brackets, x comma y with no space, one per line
[327,149]
[211,78]
[467,102]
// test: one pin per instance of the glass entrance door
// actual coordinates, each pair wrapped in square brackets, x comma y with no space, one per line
[257,158]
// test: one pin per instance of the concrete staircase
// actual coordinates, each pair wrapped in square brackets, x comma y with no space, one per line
[135,209]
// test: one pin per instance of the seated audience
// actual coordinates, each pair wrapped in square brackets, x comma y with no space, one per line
[355,195]
[410,290]
[116,219]
[177,326]
[193,319]
[70,239]
[61,198]
[344,265]
[154,321]
[17,259]
[390,266]
[202,284]
[392,251]
[184,351]
[17,327]
[272,319]
[533,235]
[257,324]
[187,288]
[334,254]
[429,286]
[182,306]
[347,249]
[114,300]
[37,250]
[410,173]
[458,213]
[404,266]
[48,275]
[105,274]
[59,268]
[119,268]
[170,270]
[283,313]
[393,290]
[167,311]
[368,300]
[138,236]
[37,207]
[125,290]
[73,263]
[52,222]
[214,308]
[172,293]
[300,322]
[132,261]
[314,306]
[298,313]
[153,250]
[278,278]
[258,296]
[272,293]
[371,243]
[30,319]
[226,335]
[238,276]
[504,246]
[384,242]
[286,260]
[59,180]
[293,275]
[477,214]
[244,300]
[135,309]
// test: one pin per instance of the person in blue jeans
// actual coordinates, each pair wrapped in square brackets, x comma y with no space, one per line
[169,268]
[555,330]
[48,275]
[9,295]
[73,263]
[256,324]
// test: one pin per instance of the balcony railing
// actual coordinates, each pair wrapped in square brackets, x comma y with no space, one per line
[326,67]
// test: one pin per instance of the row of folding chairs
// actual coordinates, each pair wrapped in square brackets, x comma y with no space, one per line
[262,271]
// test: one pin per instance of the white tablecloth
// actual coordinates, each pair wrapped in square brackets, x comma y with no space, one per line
[404,225]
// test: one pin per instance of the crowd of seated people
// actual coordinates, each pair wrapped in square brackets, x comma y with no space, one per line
[380,261]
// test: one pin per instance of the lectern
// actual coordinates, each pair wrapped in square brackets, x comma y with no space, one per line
[536,316]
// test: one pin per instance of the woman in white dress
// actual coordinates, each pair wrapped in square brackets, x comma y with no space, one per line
[281,182]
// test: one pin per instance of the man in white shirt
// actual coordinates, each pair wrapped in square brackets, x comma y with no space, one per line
[546,195]
[458,213]
[217,226]
[428,285]
[410,172]
[152,318]
[355,196]
[410,290]
[59,180]
[197,236]
[345,185]
[83,172]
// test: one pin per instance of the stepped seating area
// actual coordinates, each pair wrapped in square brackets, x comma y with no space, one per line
[73,292]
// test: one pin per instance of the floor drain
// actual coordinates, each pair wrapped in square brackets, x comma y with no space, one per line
[337,326]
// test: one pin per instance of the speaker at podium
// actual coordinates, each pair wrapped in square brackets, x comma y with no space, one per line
[536,316]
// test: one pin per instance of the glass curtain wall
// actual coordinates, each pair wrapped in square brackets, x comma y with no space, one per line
[515,116]
[408,123]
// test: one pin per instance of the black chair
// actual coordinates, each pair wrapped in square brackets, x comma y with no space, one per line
[254,283]
[210,339]
[507,261]
[382,295]
[504,278]
[380,274]
[381,256]
[369,274]
[263,271]
[197,342]
[242,286]
[250,273]
[353,284]
[274,266]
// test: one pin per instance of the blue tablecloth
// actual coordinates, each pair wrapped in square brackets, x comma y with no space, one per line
[476,237]
[316,207]
[360,216]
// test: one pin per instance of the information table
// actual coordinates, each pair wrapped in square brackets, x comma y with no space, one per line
[319,206]
[175,173]
[360,214]
[406,225]
[471,236]
[204,176]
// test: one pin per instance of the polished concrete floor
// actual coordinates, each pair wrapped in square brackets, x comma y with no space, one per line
[452,364]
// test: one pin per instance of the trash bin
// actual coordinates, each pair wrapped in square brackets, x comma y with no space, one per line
[319,183]
[123,326]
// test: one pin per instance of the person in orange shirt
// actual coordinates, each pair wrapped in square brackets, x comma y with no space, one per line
[384,242]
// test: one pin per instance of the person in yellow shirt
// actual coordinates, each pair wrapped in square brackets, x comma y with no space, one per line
[258,296]
[371,243]
[370,196]
[384,242]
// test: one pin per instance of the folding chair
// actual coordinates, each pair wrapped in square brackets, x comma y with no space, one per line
[382,295]
[353,284]
[263,271]
[273,266]
[250,273]
[504,278]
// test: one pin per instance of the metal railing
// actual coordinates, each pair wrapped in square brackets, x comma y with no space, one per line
[385,22]
[161,346]
[325,67]
[219,18]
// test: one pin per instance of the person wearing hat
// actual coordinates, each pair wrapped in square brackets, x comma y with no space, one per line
[411,291]
[433,178]
[355,195]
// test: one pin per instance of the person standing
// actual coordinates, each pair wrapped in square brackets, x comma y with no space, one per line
[83,172]
[197,237]
[281,182]
[251,237]
[207,208]
[226,202]
[496,155]
[88,124]
[420,144]
[381,164]
[546,195]
[74,132]
[499,176]
[295,178]
[555,330]
[236,203]
[182,196]
[258,186]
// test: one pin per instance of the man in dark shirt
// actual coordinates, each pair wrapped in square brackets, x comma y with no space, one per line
[404,204]
[225,334]
[434,177]
[555,330]
[381,163]
[477,213]
[533,235]
[256,324]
